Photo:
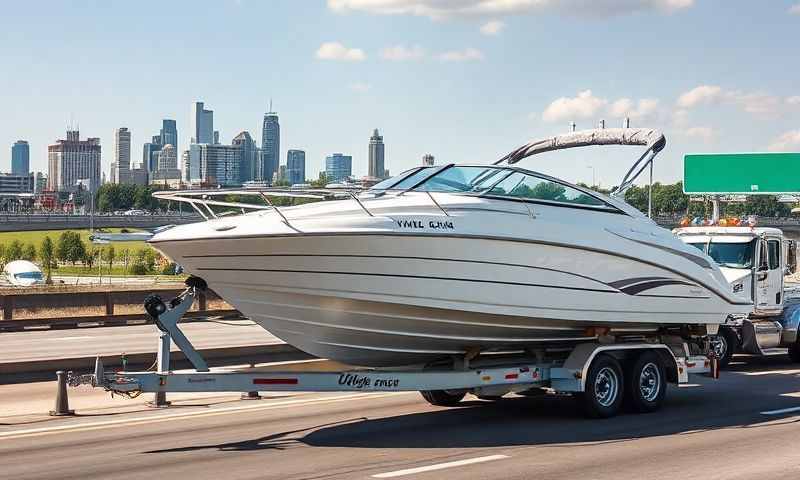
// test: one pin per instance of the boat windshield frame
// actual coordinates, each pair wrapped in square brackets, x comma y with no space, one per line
[605,207]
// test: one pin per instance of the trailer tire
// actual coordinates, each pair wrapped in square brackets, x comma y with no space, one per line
[729,343]
[443,398]
[602,397]
[645,383]
[794,352]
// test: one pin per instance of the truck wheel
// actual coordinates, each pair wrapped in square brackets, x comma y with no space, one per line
[602,397]
[726,343]
[443,398]
[646,383]
[794,352]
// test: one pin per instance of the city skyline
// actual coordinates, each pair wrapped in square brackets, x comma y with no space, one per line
[465,86]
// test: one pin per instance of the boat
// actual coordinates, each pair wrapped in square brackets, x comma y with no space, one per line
[22,273]
[453,261]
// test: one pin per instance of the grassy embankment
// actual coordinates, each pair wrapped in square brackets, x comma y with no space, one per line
[118,268]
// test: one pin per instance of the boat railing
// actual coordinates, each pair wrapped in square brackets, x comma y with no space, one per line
[203,200]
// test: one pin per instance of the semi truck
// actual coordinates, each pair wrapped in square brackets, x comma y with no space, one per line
[755,261]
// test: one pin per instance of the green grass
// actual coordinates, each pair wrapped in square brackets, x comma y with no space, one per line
[37,236]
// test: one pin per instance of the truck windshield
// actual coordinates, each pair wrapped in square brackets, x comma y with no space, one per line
[731,255]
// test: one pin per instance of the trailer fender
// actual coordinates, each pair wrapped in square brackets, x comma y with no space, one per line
[571,377]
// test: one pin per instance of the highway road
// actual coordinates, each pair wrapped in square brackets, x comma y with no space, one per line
[86,342]
[737,427]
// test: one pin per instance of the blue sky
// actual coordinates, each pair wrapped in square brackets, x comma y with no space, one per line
[465,80]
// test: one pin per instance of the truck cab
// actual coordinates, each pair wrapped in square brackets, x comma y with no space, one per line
[755,261]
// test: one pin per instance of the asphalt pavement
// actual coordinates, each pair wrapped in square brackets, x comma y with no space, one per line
[742,426]
[87,342]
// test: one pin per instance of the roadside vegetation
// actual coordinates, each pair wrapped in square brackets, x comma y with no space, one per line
[70,252]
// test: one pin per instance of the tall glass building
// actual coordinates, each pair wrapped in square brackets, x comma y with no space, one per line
[169,132]
[295,166]
[338,167]
[202,124]
[376,155]
[270,146]
[249,156]
[20,158]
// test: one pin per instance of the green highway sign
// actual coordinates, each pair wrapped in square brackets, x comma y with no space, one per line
[742,173]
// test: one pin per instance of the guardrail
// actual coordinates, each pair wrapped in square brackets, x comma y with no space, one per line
[92,302]
[90,321]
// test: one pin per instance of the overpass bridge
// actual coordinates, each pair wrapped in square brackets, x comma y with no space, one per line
[28,222]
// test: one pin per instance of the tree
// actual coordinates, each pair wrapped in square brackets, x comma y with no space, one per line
[46,253]
[90,256]
[29,252]
[14,251]
[63,247]
[2,253]
[150,259]
[109,254]
[125,254]
[321,181]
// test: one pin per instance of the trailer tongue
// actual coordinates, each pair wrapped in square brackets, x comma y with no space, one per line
[602,374]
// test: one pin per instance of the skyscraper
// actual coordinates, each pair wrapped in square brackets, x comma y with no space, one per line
[71,160]
[376,167]
[20,158]
[150,153]
[214,165]
[248,156]
[338,167]
[202,124]
[270,145]
[169,132]
[168,158]
[427,160]
[122,156]
[296,166]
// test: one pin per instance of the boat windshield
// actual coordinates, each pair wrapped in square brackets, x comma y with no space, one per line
[731,255]
[405,180]
[508,183]
[29,275]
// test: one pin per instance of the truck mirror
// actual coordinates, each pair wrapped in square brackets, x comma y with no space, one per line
[761,275]
[791,257]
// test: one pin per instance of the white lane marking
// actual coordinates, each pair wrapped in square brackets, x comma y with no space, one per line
[792,394]
[439,466]
[781,411]
[688,385]
[772,372]
[84,427]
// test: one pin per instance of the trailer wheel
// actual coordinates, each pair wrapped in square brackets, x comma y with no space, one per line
[443,398]
[646,383]
[794,352]
[725,346]
[602,397]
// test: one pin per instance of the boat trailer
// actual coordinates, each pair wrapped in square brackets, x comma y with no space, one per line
[487,376]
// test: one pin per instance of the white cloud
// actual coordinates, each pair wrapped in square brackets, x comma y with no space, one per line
[706,134]
[337,51]
[466,55]
[625,107]
[585,105]
[402,53]
[492,27]
[442,9]
[360,87]
[794,9]
[786,142]
[703,94]
[758,103]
